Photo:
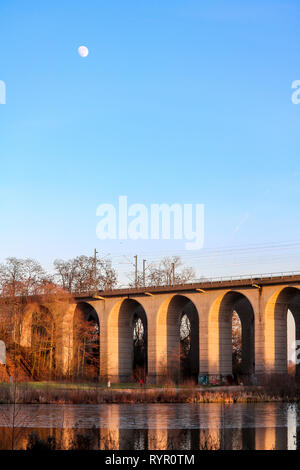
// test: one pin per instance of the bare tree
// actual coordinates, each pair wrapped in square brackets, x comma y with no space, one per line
[86,347]
[139,348]
[78,274]
[65,273]
[236,343]
[185,335]
[42,351]
[161,274]
[21,277]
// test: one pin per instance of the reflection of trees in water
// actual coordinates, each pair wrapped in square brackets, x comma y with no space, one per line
[141,439]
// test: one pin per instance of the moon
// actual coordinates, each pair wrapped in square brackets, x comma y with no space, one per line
[83,51]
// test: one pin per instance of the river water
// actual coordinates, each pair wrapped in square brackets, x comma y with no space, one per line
[153,426]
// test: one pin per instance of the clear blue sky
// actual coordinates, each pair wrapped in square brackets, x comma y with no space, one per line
[178,101]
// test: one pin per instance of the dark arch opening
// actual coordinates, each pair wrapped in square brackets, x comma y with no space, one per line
[133,341]
[236,306]
[182,339]
[287,301]
[86,342]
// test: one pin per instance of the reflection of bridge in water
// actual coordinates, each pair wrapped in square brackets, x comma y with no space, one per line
[261,303]
[163,427]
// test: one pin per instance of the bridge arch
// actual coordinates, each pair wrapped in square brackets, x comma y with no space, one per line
[38,338]
[168,345]
[220,333]
[276,311]
[120,343]
[86,341]
[31,314]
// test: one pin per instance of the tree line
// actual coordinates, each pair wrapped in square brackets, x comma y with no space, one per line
[83,274]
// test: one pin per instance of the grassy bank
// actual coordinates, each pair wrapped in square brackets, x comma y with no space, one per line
[70,393]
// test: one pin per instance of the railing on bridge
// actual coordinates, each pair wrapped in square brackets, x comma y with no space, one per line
[253,277]
[241,277]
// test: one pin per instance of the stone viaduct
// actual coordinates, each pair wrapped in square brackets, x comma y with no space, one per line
[261,303]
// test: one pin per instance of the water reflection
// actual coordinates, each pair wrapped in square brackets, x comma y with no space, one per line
[154,426]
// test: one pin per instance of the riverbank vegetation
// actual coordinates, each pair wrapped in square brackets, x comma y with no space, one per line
[63,393]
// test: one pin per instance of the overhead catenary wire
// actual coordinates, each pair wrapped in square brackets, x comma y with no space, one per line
[266,257]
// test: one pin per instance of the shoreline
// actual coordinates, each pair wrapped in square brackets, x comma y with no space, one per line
[64,393]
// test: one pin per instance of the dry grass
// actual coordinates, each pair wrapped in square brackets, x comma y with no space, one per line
[273,390]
